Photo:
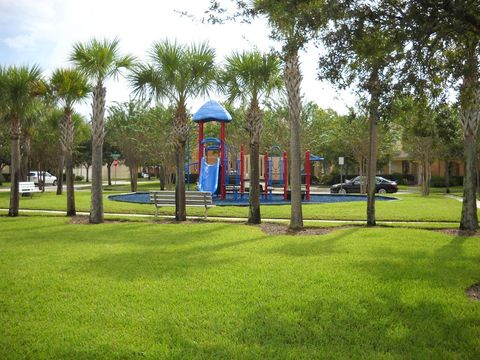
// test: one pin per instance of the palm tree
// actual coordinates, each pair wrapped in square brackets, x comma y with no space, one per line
[99,61]
[252,77]
[177,73]
[69,86]
[19,86]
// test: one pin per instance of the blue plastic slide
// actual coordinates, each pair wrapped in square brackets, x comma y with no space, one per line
[209,176]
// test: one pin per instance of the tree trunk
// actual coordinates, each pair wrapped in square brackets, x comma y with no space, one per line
[87,170]
[161,176]
[14,166]
[98,131]
[180,206]
[293,79]
[109,173]
[133,177]
[469,220]
[447,176]
[71,211]
[255,128]
[426,176]
[181,135]
[372,146]
[61,163]
[25,156]
[470,119]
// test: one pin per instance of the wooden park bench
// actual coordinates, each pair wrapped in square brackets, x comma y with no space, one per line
[192,198]
[27,187]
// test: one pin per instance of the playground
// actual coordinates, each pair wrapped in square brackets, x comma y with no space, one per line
[223,171]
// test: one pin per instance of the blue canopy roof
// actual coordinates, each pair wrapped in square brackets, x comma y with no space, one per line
[212,111]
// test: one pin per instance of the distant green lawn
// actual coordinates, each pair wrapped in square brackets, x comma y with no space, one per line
[410,207]
[215,290]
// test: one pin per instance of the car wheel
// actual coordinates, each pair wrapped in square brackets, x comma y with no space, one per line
[342,191]
[382,191]
[54,183]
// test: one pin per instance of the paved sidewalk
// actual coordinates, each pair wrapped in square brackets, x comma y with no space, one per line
[225,219]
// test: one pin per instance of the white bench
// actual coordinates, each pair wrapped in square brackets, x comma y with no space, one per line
[192,198]
[27,187]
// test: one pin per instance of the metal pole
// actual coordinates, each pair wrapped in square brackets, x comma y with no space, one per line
[285,175]
[307,175]
[222,161]
[242,171]
[265,173]
[200,149]
[188,160]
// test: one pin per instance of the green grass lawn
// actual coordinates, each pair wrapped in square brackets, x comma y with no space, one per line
[215,290]
[410,207]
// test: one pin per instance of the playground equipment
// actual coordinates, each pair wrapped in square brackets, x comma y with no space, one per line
[213,177]
[208,176]
[212,111]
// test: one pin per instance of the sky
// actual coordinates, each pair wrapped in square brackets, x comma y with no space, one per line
[43,31]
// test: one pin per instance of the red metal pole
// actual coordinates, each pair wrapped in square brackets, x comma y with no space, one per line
[222,160]
[265,173]
[307,175]
[200,147]
[242,170]
[285,175]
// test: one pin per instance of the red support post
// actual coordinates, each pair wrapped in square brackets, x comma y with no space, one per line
[285,175]
[265,173]
[242,170]
[222,161]
[307,175]
[200,147]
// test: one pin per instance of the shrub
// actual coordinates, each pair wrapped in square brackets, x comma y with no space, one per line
[439,181]
[79,178]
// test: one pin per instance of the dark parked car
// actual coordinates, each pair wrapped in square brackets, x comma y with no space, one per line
[383,186]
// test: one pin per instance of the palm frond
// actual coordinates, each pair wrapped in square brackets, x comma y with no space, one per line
[100,59]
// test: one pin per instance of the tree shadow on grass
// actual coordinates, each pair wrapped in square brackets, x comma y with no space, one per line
[446,266]
[369,327]
[158,263]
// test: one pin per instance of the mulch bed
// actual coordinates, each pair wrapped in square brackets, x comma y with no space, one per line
[84,220]
[282,229]
[473,292]
[457,232]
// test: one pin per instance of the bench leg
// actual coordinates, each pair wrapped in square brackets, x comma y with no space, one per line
[206,212]
[156,211]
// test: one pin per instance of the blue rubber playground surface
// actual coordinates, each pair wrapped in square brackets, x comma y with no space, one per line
[274,199]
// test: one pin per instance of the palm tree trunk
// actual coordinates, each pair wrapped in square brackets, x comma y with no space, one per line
[71,211]
[14,166]
[180,204]
[96,206]
[255,127]
[25,156]
[372,147]
[293,79]
[61,164]
[181,134]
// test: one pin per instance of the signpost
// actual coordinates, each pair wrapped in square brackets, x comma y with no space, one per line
[341,161]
